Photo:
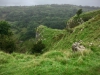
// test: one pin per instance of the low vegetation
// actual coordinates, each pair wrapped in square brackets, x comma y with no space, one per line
[38,47]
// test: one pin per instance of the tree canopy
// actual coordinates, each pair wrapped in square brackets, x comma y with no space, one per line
[4,28]
[79,12]
[6,42]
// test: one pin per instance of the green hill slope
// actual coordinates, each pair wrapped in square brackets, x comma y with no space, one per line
[58,58]
[77,20]
[88,32]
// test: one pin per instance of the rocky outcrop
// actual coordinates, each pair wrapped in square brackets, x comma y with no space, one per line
[39,31]
[77,46]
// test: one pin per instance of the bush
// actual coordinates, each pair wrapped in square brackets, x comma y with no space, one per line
[6,42]
[79,12]
[38,47]
[7,46]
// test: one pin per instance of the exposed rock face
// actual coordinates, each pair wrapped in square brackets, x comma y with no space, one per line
[38,35]
[39,32]
[77,47]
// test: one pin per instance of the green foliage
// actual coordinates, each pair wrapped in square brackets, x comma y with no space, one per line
[4,28]
[28,35]
[38,47]
[79,12]
[7,45]
[6,42]
[75,20]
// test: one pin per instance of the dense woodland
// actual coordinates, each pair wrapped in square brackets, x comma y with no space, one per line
[54,16]
[25,19]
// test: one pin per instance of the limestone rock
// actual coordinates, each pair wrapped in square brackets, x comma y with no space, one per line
[77,46]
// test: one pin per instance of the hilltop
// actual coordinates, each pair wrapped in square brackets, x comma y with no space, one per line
[58,57]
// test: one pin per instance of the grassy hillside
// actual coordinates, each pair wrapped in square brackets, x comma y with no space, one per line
[87,32]
[77,20]
[58,58]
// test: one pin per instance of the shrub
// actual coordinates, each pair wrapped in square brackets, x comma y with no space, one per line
[38,47]
[79,12]
[7,45]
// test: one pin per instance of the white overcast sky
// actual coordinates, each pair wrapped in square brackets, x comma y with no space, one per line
[37,2]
